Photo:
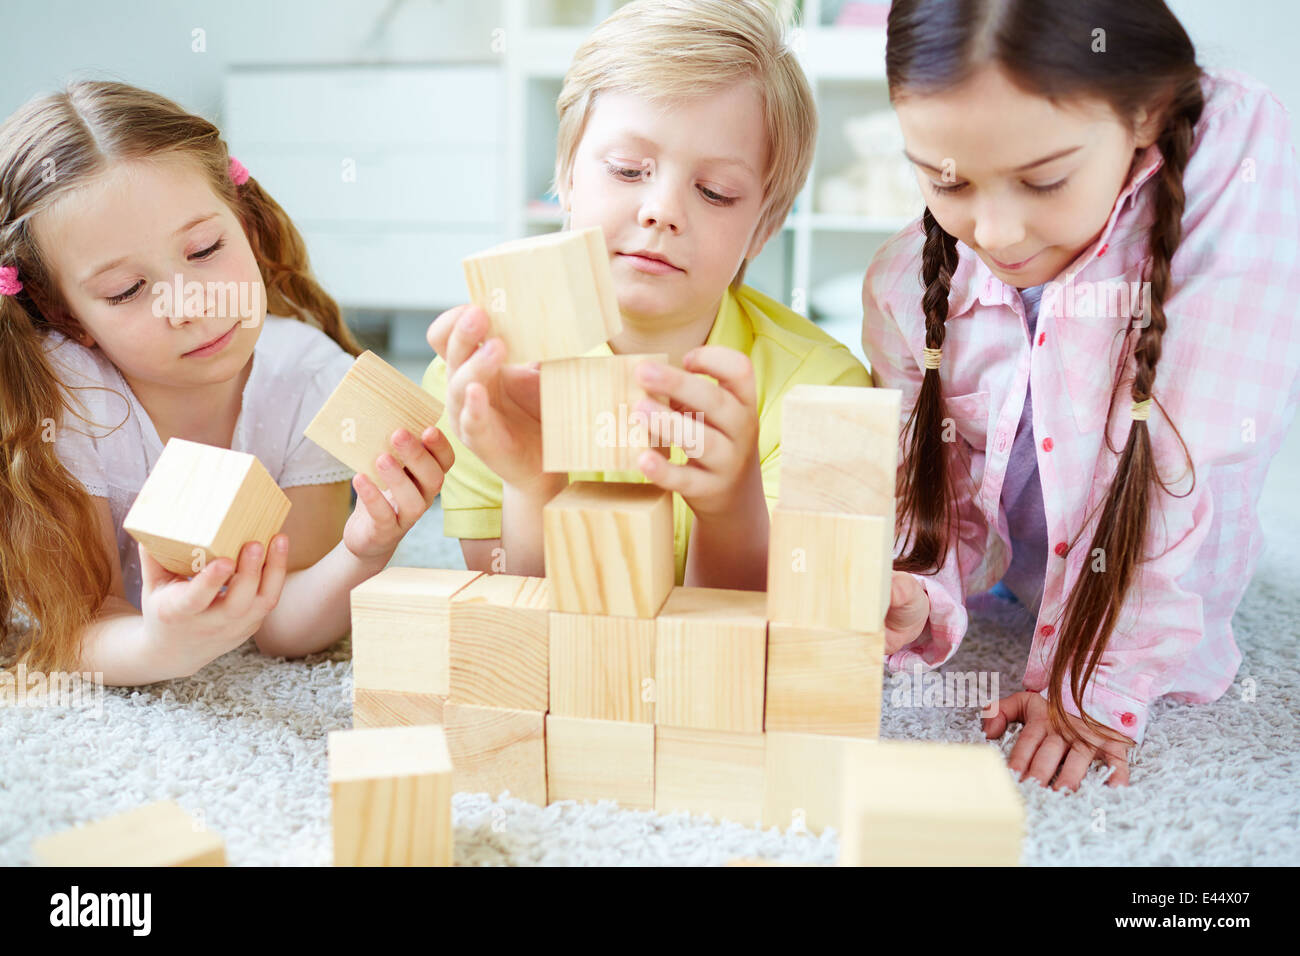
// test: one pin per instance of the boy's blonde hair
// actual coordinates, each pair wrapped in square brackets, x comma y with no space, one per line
[669,50]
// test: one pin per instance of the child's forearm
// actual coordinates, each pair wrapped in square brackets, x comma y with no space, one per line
[117,646]
[730,551]
[314,609]
[521,523]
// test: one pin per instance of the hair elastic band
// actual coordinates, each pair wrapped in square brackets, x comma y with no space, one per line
[9,284]
[238,172]
[933,357]
[1142,410]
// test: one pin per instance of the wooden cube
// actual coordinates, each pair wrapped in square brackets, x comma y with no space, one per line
[494,749]
[709,771]
[822,681]
[499,642]
[157,834]
[829,570]
[609,548]
[373,401]
[589,416]
[201,503]
[395,708]
[593,760]
[390,790]
[839,449]
[548,297]
[401,630]
[930,804]
[710,650]
[803,785]
[602,667]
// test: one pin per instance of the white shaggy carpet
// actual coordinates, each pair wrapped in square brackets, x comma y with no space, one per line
[243,743]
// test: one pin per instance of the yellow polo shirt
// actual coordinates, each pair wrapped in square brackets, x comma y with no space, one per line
[785,348]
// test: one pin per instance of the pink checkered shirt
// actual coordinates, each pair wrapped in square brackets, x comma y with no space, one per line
[1227,379]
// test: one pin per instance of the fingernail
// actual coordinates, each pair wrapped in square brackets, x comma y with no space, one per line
[282,545]
[650,373]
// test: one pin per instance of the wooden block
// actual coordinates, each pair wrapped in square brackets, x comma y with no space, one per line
[710,650]
[609,548]
[709,771]
[401,629]
[157,834]
[829,570]
[548,297]
[803,781]
[390,790]
[602,667]
[373,401]
[498,642]
[930,804]
[589,416]
[494,749]
[201,503]
[822,681]
[593,760]
[839,449]
[395,708]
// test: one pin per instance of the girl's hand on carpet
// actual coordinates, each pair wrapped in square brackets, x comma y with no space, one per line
[909,609]
[414,479]
[1043,752]
[191,621]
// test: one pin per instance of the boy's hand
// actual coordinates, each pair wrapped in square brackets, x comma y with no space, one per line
[1041,752]
[494,408]
[191,622]
[909,609]
[716,425]
[414,479]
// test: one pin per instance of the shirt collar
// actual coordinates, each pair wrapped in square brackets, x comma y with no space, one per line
[974,281]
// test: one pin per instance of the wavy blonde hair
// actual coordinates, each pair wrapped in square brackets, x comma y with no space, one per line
[53,569]
[668,50]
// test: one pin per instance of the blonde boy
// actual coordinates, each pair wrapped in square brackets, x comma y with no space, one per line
[686,130]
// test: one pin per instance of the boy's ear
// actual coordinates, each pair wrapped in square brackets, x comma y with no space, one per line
[760,240]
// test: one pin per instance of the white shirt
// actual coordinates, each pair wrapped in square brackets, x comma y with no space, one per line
[295,368]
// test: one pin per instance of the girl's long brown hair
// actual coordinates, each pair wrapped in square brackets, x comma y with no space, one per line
[53,568]
[1050,47]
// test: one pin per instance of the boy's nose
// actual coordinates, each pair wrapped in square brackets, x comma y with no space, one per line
[661,210]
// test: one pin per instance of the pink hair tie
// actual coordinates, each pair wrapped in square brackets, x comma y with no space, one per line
[9,284]
[238,172]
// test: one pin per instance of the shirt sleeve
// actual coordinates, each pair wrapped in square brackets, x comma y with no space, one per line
[471,492]
[306,463]
[894,365]
[1228,380]
[93,409]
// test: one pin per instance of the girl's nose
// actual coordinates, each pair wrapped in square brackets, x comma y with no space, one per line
[998,230]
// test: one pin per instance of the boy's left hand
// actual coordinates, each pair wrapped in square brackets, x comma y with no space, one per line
[719,423]
[1041,751]
[414,475]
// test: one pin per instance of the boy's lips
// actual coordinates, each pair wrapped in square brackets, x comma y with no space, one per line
[654,263]
[213,346]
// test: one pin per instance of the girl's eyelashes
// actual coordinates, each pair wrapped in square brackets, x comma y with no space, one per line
[945,190]
[200,256]
[1040,190]
[123,296]
[210,250]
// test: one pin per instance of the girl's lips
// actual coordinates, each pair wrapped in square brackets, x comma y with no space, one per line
[213,347]
[1014,266]
[655,267]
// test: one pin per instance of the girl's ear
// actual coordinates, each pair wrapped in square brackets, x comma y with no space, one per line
[1147,126]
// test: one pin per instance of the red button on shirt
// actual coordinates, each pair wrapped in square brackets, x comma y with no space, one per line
[1047,630]
[1102,250]
[1128,720]
[1042,337]
[1062,549]
[1047,444]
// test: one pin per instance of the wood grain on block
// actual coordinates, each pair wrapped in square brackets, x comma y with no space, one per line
[602,667]
[589,417]
[803,784]
[494,749]
[499,628]
[395,708]
[401,629]
[839,449]
[373,401]
[930,804]
[157,834]
[390,791]
[201,503]
[822,681]
[710,650]
[829,570]
[593,760]
[548,297]
[609,548]
[709,771]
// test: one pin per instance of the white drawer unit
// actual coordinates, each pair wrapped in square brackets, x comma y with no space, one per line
[391,173]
